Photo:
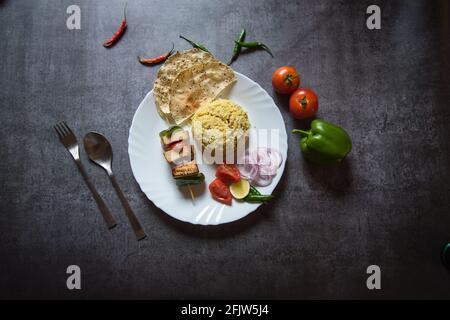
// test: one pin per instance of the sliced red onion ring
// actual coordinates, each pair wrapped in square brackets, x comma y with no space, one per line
[260,166]
[263,181]
[263,157]
[250,159]
[248,171]
[276,156]
[268,170]
[271,153]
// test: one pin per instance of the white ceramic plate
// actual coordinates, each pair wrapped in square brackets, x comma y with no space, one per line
[153,173]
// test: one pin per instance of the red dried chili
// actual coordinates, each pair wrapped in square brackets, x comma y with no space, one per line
[155,60]
[119,32]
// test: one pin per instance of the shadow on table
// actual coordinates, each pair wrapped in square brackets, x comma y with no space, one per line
[281,99]
[336,178]
[245,51]
[264,212]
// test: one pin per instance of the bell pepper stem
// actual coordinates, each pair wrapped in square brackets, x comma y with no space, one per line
[301,132]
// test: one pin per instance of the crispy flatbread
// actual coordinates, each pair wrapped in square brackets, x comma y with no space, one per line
[168,72]
[202,82]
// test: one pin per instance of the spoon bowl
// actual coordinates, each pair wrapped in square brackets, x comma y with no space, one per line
[99,150]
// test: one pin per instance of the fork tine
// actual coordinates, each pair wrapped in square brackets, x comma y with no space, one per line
[57,131]
[67,128]
[63,129]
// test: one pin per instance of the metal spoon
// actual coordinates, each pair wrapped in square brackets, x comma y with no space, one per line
[99,151]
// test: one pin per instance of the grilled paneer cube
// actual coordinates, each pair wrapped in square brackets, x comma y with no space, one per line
[176,136]
[183,170]
[177,145]
[180,155]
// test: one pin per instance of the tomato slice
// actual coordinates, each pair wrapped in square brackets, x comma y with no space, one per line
[220,191]
[228,173]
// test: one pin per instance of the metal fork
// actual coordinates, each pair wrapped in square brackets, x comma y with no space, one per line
[68,139]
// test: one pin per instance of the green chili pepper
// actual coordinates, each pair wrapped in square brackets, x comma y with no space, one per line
[196,45]
[168,132]
[195,179]
[237,47]
[254,196]
[325,143]
[255,45]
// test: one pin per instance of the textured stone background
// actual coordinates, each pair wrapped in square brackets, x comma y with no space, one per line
[388,204]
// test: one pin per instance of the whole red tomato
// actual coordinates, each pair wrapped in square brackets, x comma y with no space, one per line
[285,80]
[303,103]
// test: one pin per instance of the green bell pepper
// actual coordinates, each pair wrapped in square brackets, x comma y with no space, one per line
[325,143]
[168,132]
[190,180]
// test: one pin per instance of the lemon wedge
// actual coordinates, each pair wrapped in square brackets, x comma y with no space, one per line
[240,189]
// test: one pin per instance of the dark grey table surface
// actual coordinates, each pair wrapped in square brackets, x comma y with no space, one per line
[387,204]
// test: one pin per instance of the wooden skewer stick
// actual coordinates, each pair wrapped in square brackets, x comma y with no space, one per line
[192,194]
